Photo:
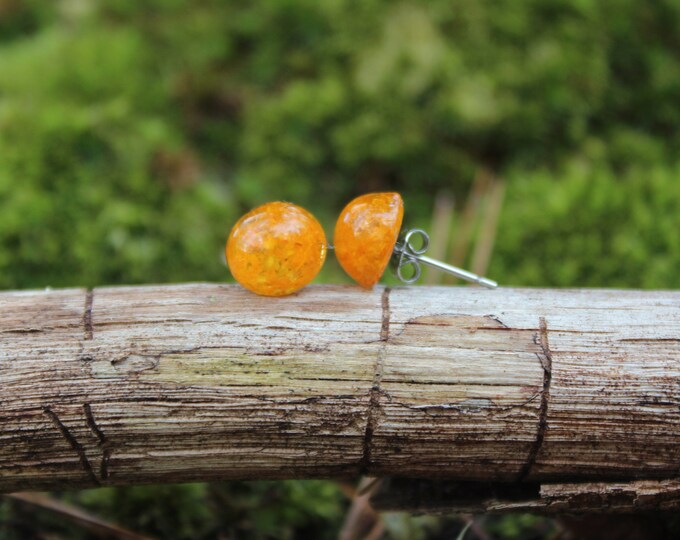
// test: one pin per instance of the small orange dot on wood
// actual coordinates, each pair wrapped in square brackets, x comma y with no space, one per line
[276,249]
[365,235]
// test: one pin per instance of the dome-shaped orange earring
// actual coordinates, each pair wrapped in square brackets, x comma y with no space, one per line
[276,249]
[367,237]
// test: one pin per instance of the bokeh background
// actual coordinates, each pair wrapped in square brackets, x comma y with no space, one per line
[537,140]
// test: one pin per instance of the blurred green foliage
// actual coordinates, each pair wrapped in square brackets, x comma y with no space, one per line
[595,226]
[133,134]
[237,510]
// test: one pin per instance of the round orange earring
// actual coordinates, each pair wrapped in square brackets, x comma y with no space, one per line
[276,249]
[367,237]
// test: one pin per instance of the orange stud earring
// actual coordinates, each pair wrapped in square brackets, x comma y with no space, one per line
[367,237]
[276,249]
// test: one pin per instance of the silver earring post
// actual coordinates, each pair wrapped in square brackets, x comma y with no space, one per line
[410,255]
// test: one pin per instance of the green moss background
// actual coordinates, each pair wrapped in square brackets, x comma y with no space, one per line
[133,135]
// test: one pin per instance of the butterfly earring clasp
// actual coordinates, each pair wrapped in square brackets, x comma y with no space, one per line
[408,255]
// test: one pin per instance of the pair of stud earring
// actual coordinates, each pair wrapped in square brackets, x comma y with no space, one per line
[278,248]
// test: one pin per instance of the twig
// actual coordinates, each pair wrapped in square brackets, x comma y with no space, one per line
[489,227]
[439,233]
[361,521]
[87,521]
[463,235]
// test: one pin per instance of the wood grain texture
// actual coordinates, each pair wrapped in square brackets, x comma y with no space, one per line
[189,382]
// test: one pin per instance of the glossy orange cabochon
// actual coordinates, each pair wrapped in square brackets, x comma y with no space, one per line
[276,249]
[365,234]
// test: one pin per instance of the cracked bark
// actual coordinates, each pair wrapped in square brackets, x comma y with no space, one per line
[374,401]
[203,382]
[546,362]
[87,315]
[73,443]
[103,443]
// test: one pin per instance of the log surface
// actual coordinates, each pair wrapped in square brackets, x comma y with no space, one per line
[189,382]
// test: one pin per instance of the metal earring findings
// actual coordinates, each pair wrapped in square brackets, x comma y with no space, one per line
[408,255]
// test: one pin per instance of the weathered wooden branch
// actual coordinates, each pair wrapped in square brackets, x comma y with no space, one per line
[192,382]
[445,497]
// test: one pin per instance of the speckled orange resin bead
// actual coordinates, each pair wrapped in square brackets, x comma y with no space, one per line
[276,249]
[365,235]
